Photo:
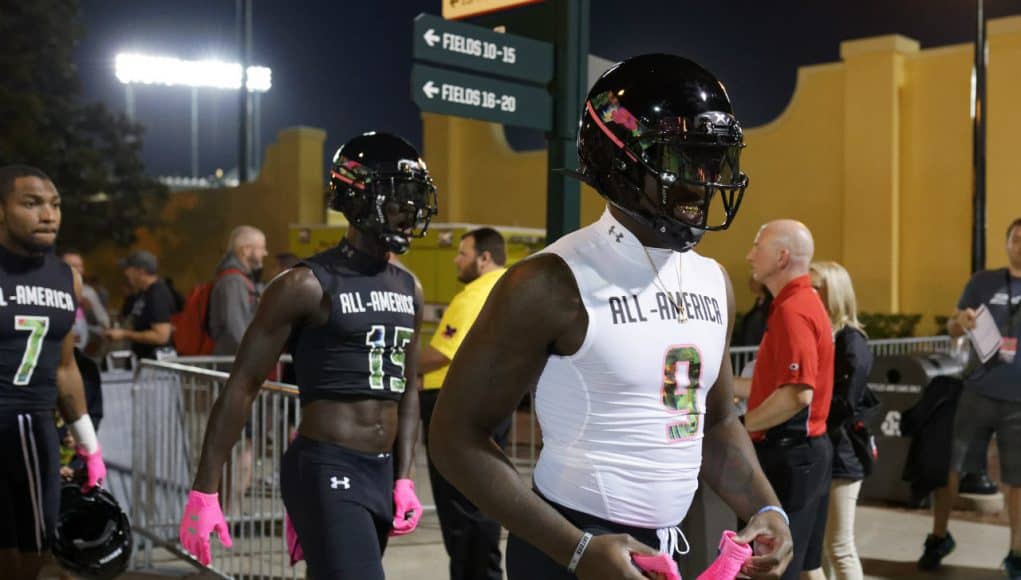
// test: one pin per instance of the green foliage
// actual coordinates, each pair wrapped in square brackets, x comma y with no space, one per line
[91,154]
[881,325]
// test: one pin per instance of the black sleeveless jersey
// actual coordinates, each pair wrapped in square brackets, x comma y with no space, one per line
[37,310]
[360,350]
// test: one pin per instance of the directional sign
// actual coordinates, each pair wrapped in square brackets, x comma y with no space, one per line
[477,48]
[466,8]
[447,92]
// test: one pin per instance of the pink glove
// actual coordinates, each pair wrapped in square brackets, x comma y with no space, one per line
[95,469]
[407,508]
[728,564]
[202,516]
[660,564]
[293,545]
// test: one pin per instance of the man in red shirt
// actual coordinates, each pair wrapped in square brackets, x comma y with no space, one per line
[791,389]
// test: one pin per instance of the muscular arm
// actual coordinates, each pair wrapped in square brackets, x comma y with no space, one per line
[729,464]
[528,313]
[407,411]
[785,402]
[290,299]
[431,360]
[70,390]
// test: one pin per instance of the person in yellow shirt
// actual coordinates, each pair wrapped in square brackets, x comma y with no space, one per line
[471,538]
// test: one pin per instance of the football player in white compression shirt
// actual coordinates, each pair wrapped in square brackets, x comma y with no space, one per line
[622,331]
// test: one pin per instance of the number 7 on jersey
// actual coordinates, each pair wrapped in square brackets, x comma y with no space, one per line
[36,326]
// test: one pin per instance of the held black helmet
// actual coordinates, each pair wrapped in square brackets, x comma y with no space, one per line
[658,139]
[383,188]
[93,535]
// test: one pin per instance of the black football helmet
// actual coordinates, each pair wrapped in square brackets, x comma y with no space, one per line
[658,139]
[383,188]
[93,535]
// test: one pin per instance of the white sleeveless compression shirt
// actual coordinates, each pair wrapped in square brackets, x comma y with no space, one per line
[622,419]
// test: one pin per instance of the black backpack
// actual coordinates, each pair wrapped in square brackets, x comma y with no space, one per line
[843,421]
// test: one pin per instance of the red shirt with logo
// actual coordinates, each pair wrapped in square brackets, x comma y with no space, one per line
[797,348]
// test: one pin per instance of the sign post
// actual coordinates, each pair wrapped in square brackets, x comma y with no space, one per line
[476,48]
[525,98]
[448,92]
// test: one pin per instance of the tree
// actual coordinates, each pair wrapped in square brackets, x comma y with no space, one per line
[91,153]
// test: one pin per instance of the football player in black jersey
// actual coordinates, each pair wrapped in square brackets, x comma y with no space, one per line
[351,320]
[38,301]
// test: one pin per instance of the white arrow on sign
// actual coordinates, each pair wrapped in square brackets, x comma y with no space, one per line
[431,38]
[430,89]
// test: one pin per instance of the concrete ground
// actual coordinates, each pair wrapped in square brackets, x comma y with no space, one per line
[889,542]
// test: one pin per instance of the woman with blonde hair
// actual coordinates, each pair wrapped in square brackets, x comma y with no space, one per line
[852,364]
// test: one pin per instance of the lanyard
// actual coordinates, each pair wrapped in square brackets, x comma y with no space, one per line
[1011,307]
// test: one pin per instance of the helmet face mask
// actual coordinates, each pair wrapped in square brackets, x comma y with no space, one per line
[659,141]
[384,189]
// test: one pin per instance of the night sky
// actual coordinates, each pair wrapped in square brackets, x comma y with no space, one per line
[345,65]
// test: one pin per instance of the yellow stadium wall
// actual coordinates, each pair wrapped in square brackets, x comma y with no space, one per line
[289,190]
[873,153]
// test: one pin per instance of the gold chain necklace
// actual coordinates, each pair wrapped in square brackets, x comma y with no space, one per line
[682,315]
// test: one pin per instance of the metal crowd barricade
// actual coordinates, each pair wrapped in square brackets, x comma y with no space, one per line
[171,407]
[742,355]
[921,345]
[169,410]
[222,362]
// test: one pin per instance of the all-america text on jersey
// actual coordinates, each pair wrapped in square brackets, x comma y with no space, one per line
[378,301]
[38,296]
[630,309]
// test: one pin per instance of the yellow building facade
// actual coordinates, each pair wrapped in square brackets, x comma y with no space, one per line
[873,153]
[289,190]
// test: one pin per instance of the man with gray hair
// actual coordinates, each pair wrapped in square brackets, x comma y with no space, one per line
[232,304]
[791,389]
[234,295]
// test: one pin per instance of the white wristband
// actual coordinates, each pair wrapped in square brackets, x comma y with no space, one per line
[578,551]
[777,509]
[84,433]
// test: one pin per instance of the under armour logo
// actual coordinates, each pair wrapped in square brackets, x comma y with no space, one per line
[336,483]
[619,236]
[891,424]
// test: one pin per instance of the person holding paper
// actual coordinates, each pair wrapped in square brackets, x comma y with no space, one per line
[990,402]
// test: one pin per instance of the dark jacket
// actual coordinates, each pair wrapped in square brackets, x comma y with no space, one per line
[749,330]
[852,364]
[231,305]
[930,424]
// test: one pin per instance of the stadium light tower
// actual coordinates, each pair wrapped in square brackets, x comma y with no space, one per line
[138,69]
